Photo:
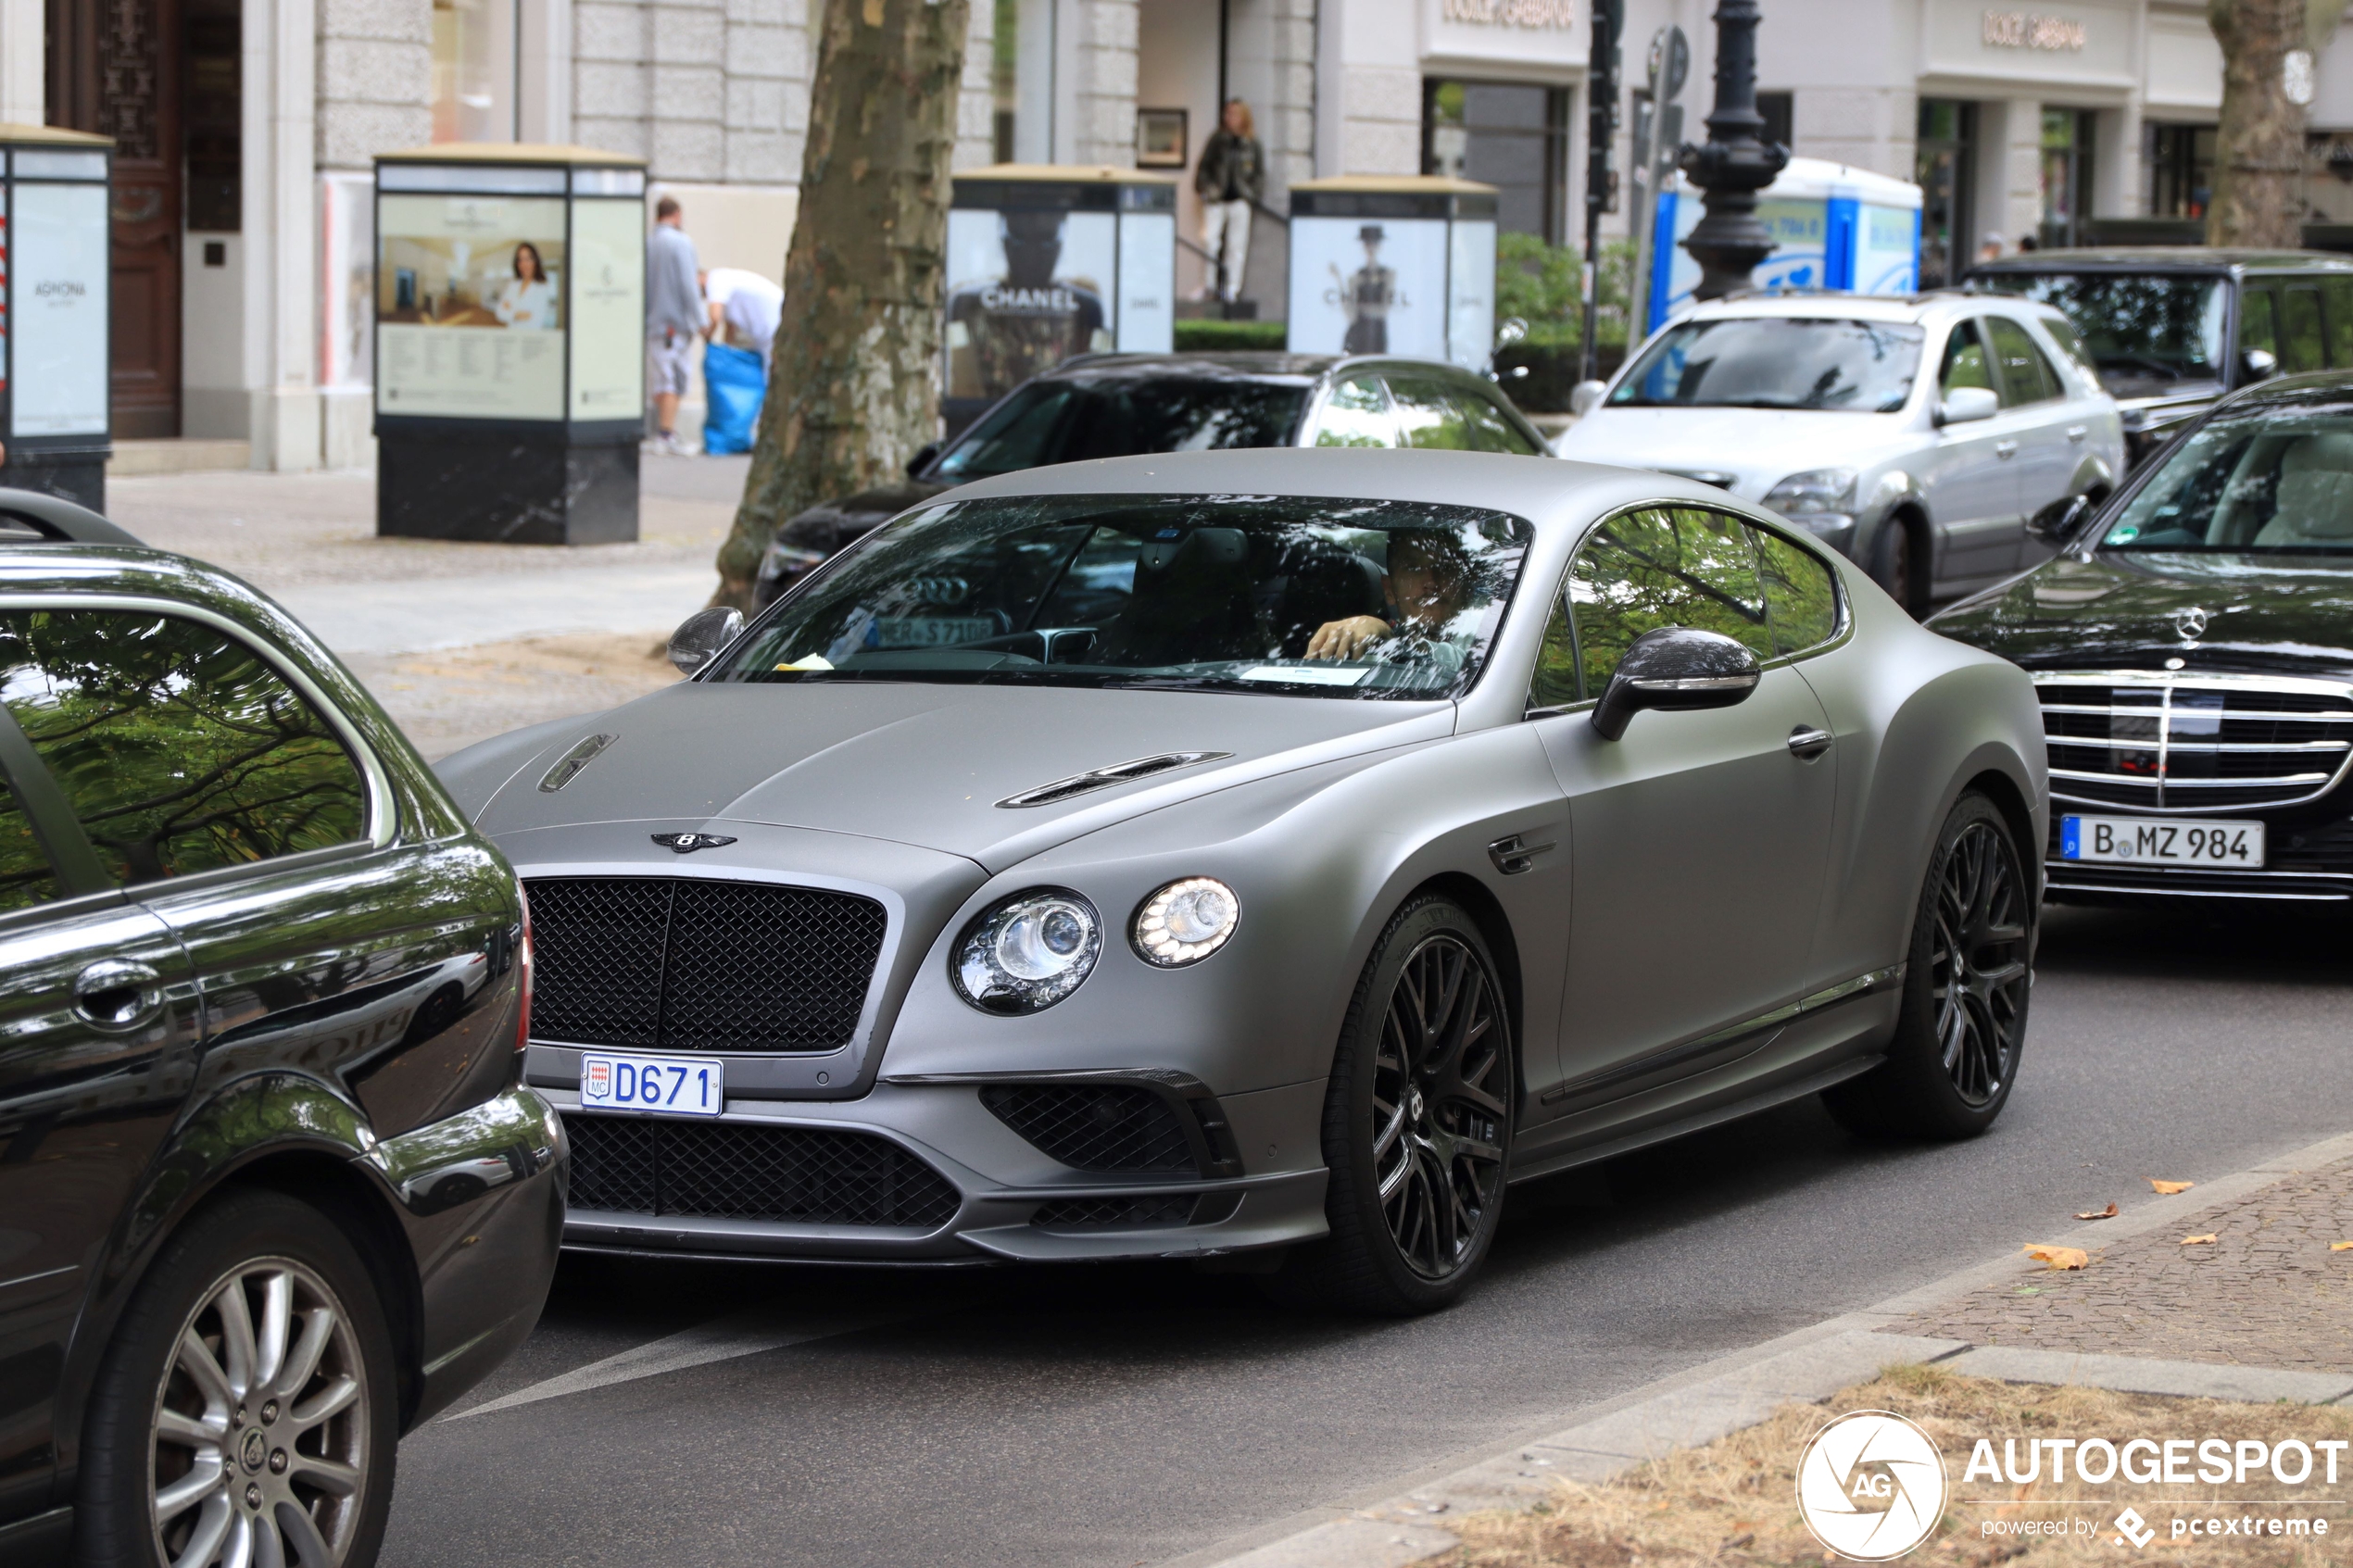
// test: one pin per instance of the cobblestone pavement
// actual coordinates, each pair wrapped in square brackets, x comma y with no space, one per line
[2267,1292]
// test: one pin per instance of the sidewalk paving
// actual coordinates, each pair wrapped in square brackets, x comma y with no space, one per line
[2263,1315]
[459,641]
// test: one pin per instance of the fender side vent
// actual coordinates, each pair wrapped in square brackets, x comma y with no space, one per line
[1104,778]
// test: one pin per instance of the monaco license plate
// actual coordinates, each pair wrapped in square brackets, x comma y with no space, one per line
[668,1085]
[2143,841]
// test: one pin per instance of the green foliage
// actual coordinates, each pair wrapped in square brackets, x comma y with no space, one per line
[1213,337]
[179,749]
[1542,284]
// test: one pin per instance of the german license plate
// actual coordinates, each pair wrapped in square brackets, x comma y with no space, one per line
[664,1084]
[2140,841]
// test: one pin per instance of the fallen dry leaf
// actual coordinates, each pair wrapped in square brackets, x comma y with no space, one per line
[2197,1240]
[2059,1256]
[2171,1187]
[2107,1213]
[2341,1246]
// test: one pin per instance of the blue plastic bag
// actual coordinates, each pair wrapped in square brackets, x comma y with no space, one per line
[734,381]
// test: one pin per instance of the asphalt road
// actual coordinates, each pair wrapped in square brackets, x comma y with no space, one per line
[1129,1416]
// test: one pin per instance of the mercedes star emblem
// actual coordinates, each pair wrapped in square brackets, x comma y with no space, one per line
[2189,623]
[687,843]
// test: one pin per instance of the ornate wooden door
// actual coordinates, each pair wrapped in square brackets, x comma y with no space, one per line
[114,68]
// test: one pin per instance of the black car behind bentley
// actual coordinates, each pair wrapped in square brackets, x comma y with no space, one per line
[2194,651]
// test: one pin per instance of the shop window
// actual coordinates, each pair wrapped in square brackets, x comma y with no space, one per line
[473,70]
[2181,170]
[1004,78]
[1509,136]
[2328,177]
[1946,170]
[213,116]
[2066,176]
[1777,109]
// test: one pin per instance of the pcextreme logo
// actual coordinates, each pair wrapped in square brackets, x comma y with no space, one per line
[1870,1485]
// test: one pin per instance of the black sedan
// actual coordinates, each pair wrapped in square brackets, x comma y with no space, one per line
[1128,405]
[2192,646]
[271,1192]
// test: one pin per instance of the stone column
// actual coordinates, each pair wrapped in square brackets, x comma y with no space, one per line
[23,62]
[1101,96]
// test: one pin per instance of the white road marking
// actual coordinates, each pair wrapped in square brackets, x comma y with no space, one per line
[739,1333]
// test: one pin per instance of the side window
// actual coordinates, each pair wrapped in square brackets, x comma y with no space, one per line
[2337,293]
[1556,681]
[2257,328]
[2300,346]
[2027,377]
[1801,593]
[1663,567]
[1964,361]
[26,877]
[1356,415]
[1493,431]
[179,749]
[1428,416]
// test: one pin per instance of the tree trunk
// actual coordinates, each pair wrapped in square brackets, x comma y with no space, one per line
[854,390]
[2259,152]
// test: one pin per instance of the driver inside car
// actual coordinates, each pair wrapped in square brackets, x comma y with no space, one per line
[1426,587]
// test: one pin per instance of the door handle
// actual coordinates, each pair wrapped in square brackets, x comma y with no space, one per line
[2005,448]
[113,994]
[1808,742]
[2077,432]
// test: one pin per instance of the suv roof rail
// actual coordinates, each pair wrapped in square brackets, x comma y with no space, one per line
[59,521]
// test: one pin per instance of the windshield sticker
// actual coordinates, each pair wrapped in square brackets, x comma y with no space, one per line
[1302,675]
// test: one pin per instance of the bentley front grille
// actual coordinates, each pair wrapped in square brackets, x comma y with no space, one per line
[667,963]
[2148,741]
[730,1171]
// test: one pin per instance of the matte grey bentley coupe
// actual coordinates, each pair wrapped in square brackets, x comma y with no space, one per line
[1268,853]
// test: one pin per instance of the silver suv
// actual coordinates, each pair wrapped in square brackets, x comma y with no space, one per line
[1817,406]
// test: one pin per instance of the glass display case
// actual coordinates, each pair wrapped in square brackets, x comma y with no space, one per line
[509,350]
[56,257]
[1398,264]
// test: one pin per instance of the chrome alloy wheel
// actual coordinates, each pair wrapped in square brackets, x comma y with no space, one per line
[260,1426]
[1441,1086]
[1977,960]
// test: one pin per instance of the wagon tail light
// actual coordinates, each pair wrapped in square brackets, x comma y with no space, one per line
[522,969]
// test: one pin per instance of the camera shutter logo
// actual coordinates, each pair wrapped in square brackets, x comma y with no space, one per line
[1870,1485]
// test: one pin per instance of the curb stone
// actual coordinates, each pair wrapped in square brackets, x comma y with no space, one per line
[1392,1523]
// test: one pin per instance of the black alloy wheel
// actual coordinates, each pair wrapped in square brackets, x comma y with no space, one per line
[1897,566]
[1960,1022]
[1417,1123]
[1977,964]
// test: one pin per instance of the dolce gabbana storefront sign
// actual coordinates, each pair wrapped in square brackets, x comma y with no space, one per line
[2088,43]
[1547,35]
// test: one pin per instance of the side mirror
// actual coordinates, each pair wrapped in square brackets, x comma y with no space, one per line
[2058,523]
[702,635]
[1675,669]
[2258,364]
[1583,396]
[1509,331]
[922,459]
[1965,405]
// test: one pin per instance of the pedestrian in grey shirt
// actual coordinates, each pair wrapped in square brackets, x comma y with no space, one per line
[674,321]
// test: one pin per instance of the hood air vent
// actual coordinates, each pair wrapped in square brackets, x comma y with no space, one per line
[568,766]
[1103,778]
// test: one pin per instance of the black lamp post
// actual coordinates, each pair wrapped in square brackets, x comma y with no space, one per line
[1735,162]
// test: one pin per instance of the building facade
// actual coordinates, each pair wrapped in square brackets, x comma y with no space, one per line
[245,132]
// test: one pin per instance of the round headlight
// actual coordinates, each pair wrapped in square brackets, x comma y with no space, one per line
[1186,921]
[1028,952]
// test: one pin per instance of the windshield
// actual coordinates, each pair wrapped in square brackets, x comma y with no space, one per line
[1776,362]
[1303,598]
[2145,334]
[1067,421]
[2275,479]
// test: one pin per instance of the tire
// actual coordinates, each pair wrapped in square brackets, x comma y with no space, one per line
[1953,1059]
[207,1436]
[1896,565]
[1429,1010]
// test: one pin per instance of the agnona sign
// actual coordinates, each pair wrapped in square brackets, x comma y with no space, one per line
[1541,14]
[2025,29]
